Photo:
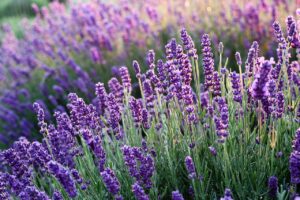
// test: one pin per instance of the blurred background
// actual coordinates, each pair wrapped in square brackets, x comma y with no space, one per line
[50,49]
[12,11]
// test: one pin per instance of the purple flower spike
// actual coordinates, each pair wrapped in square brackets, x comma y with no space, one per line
[101,97]
[216,84]
[188,43]
[295,159]
[151,59]
[212,150]
[125,77]
[177,196]
[117,89]
[273,187]
[227,195]
[189,164]
[258,88]
[137,69]
[238,58]
[32,192]
[208,61]
[138,192]
[236,87]
[64,177]
[111,182]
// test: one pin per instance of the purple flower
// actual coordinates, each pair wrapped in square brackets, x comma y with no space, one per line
[137,69]
[140,165]
[188,43]
[149,96]
[125,77]
[189,164]
[136,107]
[151,59]
[39,155]
[177,196]
[138,192]
[57,195]
[236,87]
[111,182]
[227,195]
[295,159]
[101,97]
[117,89]
[252,59]
[208,61]
[114,114]
[222,120]
[238,58]
[32,192]
[216,84]
[273,187]
[189,103]
[64,177]
[279,34]
[280,104]
[258,88]
[41,116]
[212,150]
[145,119]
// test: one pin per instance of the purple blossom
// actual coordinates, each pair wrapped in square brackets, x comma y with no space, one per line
[125,77]
[114,114]
[189,164]
[236,87]
[145,119]
[151,59]
[64,177]
[177,196]
[273,187]
[216,84]
[137,69]
[188,43]
[117,89]
[101,97]
[32,192]
[212,150]
[57,195]
[136,107]
[227,195]
[222,120]
[189,103]
[238,58]
[258,88]
[149,96]
[111,182]
[208,61]
[138,192]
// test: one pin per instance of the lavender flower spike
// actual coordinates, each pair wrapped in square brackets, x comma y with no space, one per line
[139,193]
[227,195]
[273,187]
[64,177]
[208,62]
[111,182]
[189,164]
[177,196]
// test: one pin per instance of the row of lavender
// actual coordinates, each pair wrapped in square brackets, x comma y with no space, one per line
[180,140]
[69,49]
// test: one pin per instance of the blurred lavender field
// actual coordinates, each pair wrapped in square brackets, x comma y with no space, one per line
[69,48]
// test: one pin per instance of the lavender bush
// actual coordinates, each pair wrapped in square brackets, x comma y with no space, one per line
[70,48]
[194,130]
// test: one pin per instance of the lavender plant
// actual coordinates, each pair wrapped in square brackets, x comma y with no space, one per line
[176,138]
